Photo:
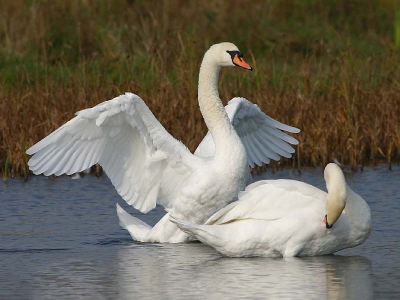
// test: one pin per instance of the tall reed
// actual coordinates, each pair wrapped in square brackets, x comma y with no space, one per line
[328,68]
[397,26]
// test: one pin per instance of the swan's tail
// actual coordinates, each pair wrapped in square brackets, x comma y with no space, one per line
[207,234]
[138,229]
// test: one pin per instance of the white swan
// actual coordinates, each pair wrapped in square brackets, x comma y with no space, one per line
[148,166]
[275,218]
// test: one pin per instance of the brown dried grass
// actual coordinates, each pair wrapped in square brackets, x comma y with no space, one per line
[330,70]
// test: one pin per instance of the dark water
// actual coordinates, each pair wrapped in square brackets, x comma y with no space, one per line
[60,239]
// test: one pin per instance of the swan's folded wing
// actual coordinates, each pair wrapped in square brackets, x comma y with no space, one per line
[125,138]
[270,200]
[260,134]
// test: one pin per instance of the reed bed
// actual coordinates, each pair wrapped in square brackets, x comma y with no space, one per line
[330,68]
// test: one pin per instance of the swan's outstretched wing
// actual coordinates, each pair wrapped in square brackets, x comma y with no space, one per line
[143,161]
[260,134]
[270,200]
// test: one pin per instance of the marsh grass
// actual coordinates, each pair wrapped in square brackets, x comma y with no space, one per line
[327,67]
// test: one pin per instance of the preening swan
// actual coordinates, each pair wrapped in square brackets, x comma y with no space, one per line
[275,218]
[148,166]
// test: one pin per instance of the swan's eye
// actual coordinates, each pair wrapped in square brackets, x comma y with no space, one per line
[234,53]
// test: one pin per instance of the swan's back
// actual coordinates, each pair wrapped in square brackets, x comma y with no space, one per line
[271,200]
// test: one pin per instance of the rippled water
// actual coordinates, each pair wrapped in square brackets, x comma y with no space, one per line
[60,238]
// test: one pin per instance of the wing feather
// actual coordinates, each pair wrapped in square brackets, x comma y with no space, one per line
[265,148]
[125,138]
[256,150]
[261,135]
[271,200]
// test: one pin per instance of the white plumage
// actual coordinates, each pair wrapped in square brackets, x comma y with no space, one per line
[124,137]
[275,218]
[148,166]
[261,135]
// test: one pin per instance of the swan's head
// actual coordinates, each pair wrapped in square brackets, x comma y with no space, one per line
[227,55]
[337,194]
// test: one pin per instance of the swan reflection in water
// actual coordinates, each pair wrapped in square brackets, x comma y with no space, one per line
[193,270]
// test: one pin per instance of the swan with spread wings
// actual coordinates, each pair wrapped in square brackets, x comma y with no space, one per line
[148,166]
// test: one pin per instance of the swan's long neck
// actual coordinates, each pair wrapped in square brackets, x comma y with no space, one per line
[211,106]
[337,193]
[342,199]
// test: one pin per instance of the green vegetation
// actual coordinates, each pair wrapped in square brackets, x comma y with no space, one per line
[397,27]
[330,68]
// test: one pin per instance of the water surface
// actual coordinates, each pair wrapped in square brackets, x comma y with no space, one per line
[60,238]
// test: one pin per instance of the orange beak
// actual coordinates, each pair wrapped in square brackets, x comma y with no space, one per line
[239,61]
[326,222]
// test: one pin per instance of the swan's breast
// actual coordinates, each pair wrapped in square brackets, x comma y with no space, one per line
[209,190]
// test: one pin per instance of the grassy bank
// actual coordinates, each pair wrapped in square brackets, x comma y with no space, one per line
[327,67]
